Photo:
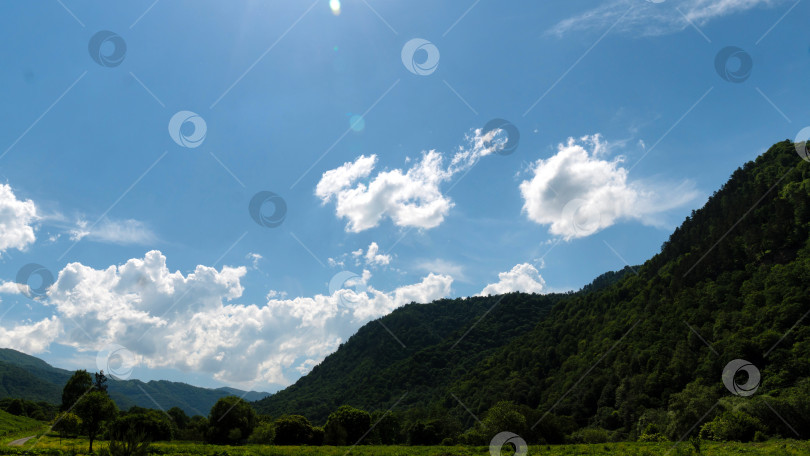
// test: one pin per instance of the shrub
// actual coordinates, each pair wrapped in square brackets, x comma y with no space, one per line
[67,425]
[731,425]
[129,443]
[295,430]
[152,423]
[654,437]
[263,434]
[590,435]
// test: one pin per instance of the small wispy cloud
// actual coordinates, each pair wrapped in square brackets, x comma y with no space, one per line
[123,232]
[254,259]
[370,257]
[654,19]
[439,266]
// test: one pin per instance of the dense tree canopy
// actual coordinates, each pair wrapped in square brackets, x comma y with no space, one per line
[79,384]
[346,426]
[231,421]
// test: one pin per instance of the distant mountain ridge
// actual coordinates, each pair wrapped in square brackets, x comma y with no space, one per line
[28,377]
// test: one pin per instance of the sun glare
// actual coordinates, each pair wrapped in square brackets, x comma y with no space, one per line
[335,5]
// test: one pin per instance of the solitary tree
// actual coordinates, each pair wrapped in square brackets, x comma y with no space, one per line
[78,384]
[179,417]
[504,416]
[232,420]
[100,382]
[94,409]
[346,425]
[293,430]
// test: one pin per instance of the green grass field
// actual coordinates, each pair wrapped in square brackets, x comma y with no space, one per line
[12,426]
[50,445]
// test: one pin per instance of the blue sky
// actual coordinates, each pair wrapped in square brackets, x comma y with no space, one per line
[388,176]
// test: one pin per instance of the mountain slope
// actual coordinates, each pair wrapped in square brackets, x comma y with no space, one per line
[376,366]
[735,272]
[629,355]
[11,425]
[439,342]
[17,382]
[27,377]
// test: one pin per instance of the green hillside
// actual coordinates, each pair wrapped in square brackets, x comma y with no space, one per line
[619,358]
[441,341]
[11,425]
[27,377]
[17,382]
[735,271]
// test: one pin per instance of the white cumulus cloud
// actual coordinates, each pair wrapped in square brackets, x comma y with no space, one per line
[374,258]
[523,277]
[579,191]
[124,232]
[16,220]
[194,322]
[408,197]
[31,338]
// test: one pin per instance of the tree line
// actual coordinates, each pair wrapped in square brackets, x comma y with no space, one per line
[87,410]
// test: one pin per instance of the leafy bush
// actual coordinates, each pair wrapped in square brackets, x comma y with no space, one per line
[129,443]
[590,436]
[149,422]
[732,425]
[295,430]
[654,437]
[67,425]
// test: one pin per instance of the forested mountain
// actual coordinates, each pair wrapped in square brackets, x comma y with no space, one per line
[427,348]
[418,356]
[625,357]
[27,377]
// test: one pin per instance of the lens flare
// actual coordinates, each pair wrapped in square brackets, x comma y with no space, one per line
[335,5]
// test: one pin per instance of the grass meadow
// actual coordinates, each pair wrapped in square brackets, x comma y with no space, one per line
[52,445]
